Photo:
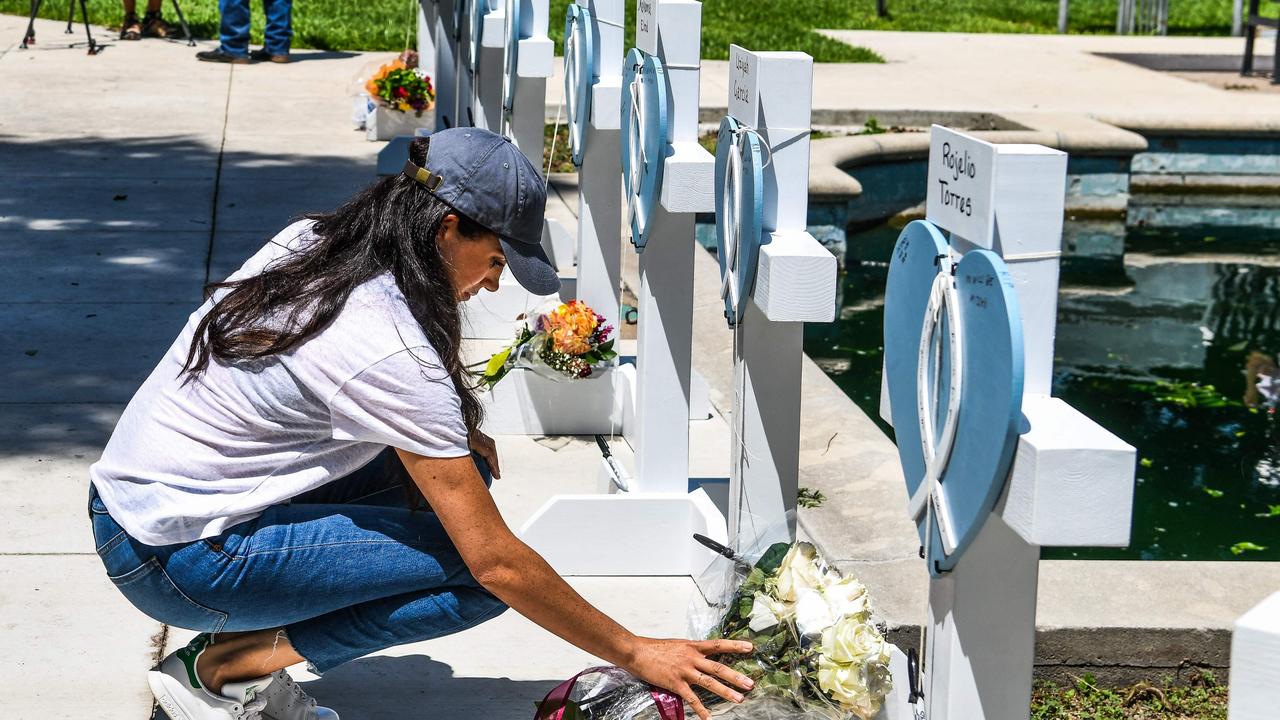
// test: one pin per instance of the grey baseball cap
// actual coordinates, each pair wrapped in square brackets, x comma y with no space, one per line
[483,176]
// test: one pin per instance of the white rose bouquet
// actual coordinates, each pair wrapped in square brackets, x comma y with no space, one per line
[818,653]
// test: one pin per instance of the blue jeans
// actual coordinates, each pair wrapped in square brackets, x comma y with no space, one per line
[235,26]
[347,569]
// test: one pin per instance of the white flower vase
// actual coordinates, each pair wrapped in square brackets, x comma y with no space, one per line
[383,123]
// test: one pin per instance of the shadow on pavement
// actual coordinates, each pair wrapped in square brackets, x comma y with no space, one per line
[416,686]
[107,244]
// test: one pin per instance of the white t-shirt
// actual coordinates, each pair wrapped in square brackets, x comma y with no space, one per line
[188,461]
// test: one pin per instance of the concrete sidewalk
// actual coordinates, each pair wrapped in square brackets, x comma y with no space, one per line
[128,180]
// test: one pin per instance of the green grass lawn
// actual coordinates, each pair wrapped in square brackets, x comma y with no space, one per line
[757,24]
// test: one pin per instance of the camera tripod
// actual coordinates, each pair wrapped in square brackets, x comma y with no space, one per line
[94,48]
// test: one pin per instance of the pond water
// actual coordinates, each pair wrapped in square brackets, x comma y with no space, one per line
[1161,339]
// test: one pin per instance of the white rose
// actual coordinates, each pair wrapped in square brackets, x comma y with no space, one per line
[799,571]
[847,598]
[851,640]
[813,614]
[767,612]
[858,688]
[843,681]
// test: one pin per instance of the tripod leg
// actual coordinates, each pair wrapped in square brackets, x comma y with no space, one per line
[183,21]
[30,37]
[71,15]
[93,45]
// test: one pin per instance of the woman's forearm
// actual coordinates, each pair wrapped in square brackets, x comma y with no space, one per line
[532,588]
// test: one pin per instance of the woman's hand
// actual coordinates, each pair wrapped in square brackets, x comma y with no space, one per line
[484,446]
[679,665]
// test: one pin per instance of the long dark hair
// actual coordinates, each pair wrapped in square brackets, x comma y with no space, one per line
[391,226]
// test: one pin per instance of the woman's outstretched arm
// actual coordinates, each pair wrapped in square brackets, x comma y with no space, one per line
[518,576]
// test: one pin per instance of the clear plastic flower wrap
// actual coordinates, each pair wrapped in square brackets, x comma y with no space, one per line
[819,654]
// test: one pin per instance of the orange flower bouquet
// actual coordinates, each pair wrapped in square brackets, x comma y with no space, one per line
[402,86]
[568,339]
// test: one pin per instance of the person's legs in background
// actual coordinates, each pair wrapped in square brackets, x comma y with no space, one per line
[130,27]
[279,31]
[234,33]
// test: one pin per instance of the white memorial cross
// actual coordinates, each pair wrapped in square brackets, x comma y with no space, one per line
[647,529]
[793,282]
[1071,482]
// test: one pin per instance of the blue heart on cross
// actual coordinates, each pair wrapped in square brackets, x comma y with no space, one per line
[954,370]
[739,213]
[644,139]
[579,75]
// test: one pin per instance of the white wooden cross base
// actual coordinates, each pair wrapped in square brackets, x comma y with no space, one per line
[1071,483]
[1255,663]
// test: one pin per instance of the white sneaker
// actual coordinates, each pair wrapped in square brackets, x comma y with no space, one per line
[181,695]
[273,697]
[286,700]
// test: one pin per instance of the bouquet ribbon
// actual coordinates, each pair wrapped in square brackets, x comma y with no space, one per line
[552,706]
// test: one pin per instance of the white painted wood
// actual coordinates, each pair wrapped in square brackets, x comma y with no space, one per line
[384,123]
[664,341]
[1255,663]
[446,65]
[1237,17]
[606,109]
[765,447]
[982,620]
[530,403]
[688,179]
[426,37]
[647,26]
[1063,12]
[1072,480]
[960,197]
[600,222]
[1030,183]
[560,245]
[611,19]
[486,106]
[537,58]
[626,533]
[796,279]
[494,27]
[680,47]
[528,119]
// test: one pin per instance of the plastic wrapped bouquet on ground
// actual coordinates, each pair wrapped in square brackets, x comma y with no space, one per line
[818,652]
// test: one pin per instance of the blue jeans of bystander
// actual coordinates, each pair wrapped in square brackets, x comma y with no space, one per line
[347,569]
[234,29]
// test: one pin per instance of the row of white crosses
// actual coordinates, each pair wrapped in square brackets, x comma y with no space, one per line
[995,466]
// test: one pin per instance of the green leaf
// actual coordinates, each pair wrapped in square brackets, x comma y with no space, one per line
[605,347]
[1146,462]
[1272,511]
[1213,493]
[772,558]
[1241,548]
[497,362]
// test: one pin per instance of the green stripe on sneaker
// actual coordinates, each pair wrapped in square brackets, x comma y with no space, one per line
[189,654]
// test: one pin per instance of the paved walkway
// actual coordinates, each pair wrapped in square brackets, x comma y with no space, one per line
[1085,74]
[128,180]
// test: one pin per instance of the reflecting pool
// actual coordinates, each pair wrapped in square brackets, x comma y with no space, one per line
[1168,338]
